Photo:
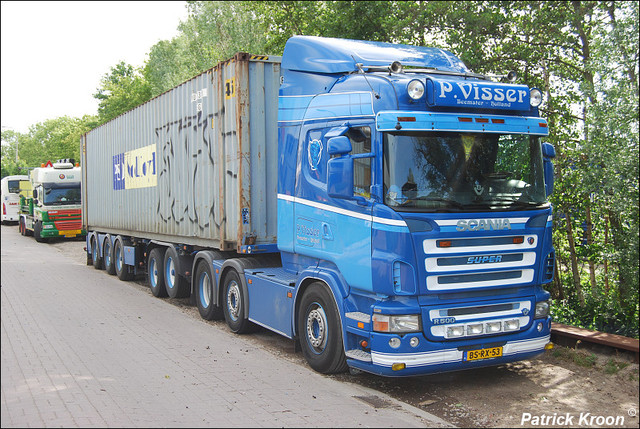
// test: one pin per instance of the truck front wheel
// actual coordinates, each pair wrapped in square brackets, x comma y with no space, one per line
[320,331]
[37,230]
[233,304]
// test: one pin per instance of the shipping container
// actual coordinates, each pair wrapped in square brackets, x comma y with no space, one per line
[197,162]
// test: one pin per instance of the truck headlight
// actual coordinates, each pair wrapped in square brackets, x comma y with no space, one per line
[48,226]
[396,323]
[415,89]
[542,309]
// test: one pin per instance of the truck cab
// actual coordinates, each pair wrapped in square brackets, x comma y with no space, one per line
[419,193]
[53,208]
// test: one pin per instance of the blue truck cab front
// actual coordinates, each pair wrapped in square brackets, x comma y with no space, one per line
[416,193]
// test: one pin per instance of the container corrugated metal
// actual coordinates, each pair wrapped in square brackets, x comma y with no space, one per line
[196,165]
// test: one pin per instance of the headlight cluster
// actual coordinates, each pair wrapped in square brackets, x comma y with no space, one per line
[482,328]
[396,323]
[542,309]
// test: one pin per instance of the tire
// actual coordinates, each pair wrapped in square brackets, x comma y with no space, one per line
[155,271]
[95,253]
[176,284]
[107,260]
[37,230]
[320,331]
[122,270]
[233,306]
[204,290]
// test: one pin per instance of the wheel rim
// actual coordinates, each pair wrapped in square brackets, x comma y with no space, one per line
[107,254]
[170,273]
[233,300]
[94,251]
[153,272]
[205,289]
[317,327]
[118,255]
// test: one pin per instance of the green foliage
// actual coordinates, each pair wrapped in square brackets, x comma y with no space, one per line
[49,140]
[122,89]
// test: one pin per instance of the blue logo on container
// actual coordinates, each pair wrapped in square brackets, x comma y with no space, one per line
[118,172]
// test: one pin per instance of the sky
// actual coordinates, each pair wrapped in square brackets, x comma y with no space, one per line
[54,53]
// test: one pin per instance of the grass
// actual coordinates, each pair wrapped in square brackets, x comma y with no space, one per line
[587,360]
[579,357]
[613,366]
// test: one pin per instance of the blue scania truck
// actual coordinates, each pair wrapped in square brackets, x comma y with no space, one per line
[379,203]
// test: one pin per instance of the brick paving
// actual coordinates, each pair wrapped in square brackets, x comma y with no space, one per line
[82,349]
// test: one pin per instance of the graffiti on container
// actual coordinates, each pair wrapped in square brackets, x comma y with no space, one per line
[187,172]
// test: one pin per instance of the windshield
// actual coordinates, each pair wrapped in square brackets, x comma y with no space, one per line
[14,186]
[435,171]
[69,194]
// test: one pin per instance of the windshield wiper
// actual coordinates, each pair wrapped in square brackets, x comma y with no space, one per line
[440,200]
[508,202]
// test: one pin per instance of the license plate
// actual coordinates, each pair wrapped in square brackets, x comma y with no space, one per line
[493,352]
[69,234]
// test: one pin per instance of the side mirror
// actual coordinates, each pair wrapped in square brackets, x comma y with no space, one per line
[340,177]
[35,193]
[340,145]
[548,153]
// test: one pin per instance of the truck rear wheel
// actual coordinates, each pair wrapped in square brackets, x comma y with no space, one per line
[177,286]
[107,250]
[233,304]
[155,270]
[204,291]
[320,331]
[122,270]
[95,253]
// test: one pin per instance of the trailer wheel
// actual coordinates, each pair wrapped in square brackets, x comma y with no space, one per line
[95,253]
[107,250]
[156,273]
[177,286]
[233,304]
[122,271]
[320,331]
[204,291]
[37,230]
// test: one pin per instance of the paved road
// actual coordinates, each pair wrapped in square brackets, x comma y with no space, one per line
[82,349]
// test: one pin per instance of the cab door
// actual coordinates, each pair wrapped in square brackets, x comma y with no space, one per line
[337,230]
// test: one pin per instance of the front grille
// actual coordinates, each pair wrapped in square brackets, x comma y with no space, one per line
[479,262]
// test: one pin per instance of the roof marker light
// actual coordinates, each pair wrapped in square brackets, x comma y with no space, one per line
[535,97]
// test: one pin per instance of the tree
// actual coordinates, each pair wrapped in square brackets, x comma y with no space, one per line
[122,89]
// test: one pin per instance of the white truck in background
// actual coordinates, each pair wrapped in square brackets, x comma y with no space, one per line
[12,187]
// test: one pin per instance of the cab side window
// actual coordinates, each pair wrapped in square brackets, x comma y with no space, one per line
[360,138]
